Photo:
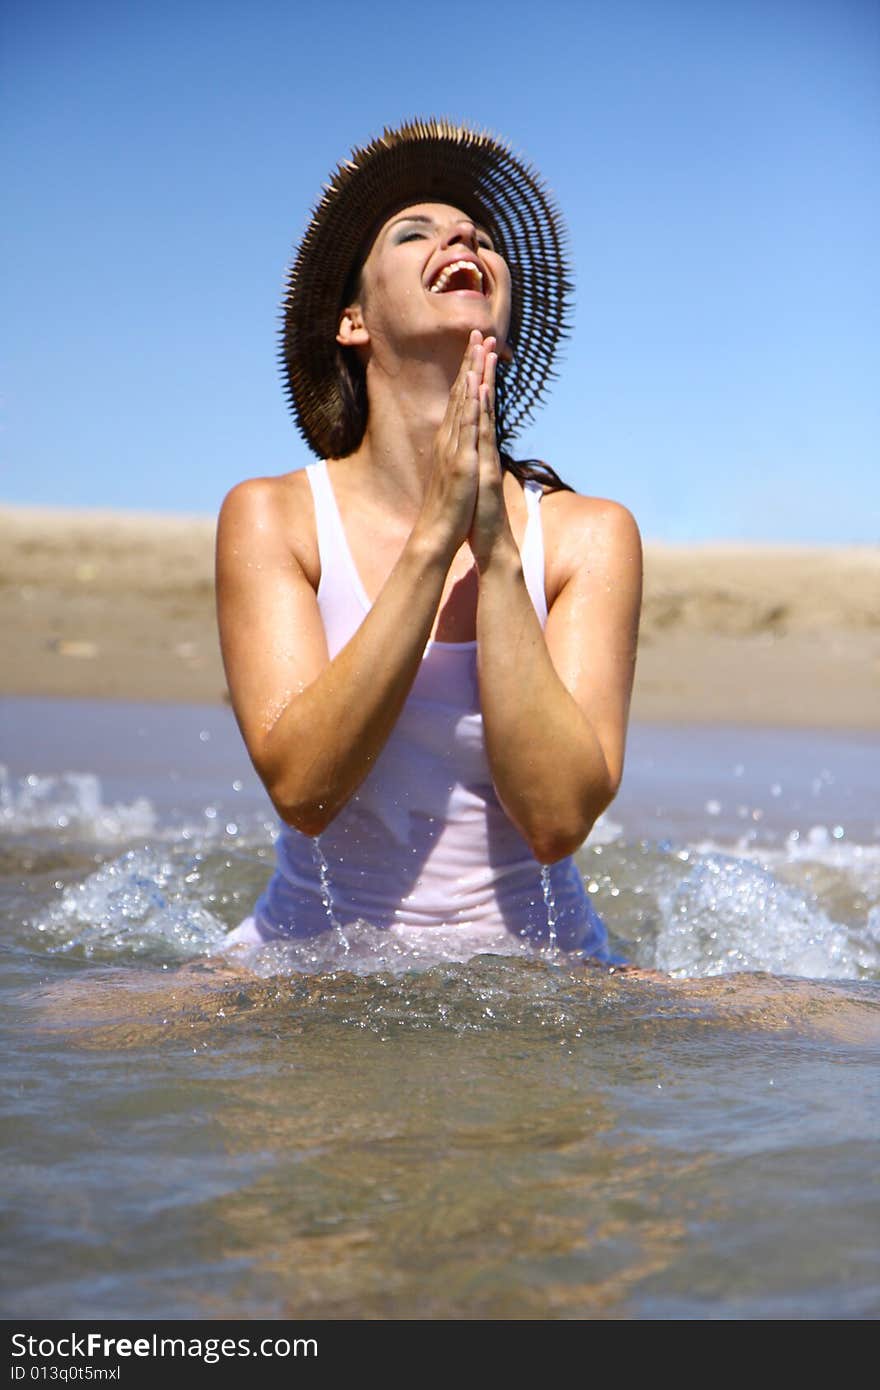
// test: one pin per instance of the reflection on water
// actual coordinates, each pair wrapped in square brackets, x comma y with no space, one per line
[366,1129]
[503,1138]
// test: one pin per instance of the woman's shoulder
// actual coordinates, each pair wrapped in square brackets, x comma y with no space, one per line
[578,520]
[269,497]
[593,543]
[273,513]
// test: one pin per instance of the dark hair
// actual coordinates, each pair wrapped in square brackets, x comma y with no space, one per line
[351,379]
[534,471]
[348,433]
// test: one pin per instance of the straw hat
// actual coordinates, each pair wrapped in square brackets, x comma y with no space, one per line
[424,161]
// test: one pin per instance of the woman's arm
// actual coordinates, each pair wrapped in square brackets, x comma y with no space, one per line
[555,702]
[314,727]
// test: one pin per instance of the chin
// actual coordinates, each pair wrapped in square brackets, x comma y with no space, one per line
[470,318]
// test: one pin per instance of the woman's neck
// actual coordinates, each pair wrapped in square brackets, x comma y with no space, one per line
[407,407]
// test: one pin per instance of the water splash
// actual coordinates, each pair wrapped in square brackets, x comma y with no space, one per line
[729,914]
[137,905]
[72,801]
[805,904]
[550,905]
[327,894]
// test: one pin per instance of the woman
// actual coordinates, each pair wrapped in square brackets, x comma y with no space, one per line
[429,647]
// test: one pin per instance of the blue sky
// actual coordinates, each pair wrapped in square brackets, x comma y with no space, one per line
[716,162]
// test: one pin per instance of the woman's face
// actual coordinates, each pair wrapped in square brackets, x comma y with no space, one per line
[430,272]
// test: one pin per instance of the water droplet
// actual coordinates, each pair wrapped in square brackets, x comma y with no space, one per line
[204,736]
[326,893]
[549,904]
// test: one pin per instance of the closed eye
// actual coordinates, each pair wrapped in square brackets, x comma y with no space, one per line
[416,235]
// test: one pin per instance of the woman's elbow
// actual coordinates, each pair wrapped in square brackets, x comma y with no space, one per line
[549,849]
[551,846]
[557,838]
[309,818]
[295,807]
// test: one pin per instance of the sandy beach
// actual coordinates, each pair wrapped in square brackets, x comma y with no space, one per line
[120,605]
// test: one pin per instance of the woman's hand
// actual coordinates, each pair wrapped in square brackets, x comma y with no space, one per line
[490,530]
[465,496]
[450,499]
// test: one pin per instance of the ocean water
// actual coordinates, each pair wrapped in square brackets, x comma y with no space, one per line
[344,1129]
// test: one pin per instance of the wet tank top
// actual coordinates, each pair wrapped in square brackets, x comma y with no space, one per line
[424,843]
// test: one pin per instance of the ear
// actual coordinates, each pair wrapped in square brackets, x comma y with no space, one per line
[352,331]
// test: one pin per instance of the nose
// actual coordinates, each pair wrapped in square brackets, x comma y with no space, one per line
[462,230]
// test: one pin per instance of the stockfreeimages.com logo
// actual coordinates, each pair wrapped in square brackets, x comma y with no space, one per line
[94,1345]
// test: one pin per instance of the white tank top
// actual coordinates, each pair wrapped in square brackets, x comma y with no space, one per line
[424,843]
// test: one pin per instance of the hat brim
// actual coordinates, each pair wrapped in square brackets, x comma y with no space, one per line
[425,161]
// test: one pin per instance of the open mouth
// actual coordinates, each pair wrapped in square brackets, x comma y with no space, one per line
[459,275]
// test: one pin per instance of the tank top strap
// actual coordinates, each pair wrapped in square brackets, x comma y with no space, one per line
[342,600]
[337,562]
[533,550]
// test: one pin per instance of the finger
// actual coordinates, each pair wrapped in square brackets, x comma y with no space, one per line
[478,356]
[463,398]
[469,417]
[489,376]
[458,389]
[449,428]
[486,433]
[468,360]
[490,345]
[487,394]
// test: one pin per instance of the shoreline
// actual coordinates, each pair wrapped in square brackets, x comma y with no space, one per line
[120,605]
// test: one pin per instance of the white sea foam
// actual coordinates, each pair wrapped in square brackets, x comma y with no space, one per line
[70,801]
[367,950]
[131,905]
[73,804]
[728,913]
[805,904]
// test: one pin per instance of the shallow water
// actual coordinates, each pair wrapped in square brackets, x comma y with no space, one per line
[347,1129]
